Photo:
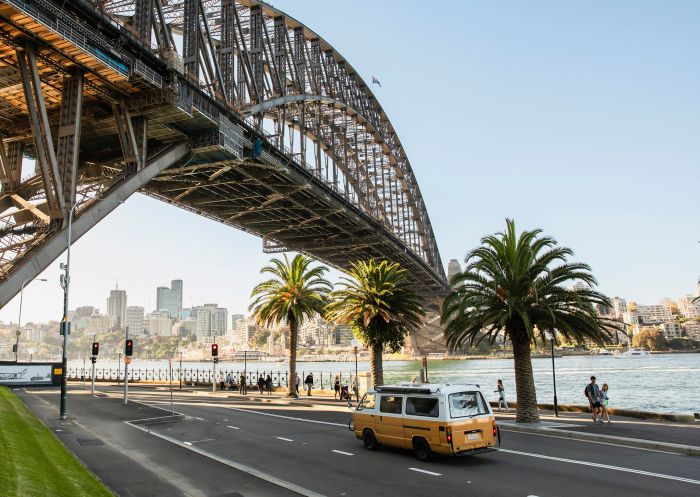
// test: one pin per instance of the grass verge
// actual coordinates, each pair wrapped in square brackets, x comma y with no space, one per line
[34,462]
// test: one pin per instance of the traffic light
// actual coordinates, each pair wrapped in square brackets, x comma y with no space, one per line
[93,359]
[214,349]
[95,348]
[129,348]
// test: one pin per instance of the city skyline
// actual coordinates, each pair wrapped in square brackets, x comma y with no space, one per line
[611,139]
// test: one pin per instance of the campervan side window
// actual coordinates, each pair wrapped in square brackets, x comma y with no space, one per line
[368,402]
[422,406]
[391,404]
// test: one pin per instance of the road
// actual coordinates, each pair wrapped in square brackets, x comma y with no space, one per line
[311,447]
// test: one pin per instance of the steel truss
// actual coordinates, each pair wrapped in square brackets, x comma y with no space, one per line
[284,139]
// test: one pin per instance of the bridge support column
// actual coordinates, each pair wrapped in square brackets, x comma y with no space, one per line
[143,19]
[39,123]
[69,137]
[10,165]
[132,137]
[94,213]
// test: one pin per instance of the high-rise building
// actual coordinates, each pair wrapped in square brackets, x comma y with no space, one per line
[243,331]
[453,268]
[135,320]
[160,324]
[170,299]
[619,307]
[116,308]
[209,320]
[648,314]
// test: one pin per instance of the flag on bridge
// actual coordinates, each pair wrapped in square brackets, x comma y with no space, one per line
[375,81]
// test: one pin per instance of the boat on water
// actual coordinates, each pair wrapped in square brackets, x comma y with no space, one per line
[633,353]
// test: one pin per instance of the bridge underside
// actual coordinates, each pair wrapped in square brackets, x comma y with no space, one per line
[103,116]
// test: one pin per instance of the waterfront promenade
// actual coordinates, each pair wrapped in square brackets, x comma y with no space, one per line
[226,444]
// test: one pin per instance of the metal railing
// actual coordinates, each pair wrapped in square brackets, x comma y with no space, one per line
[322,379]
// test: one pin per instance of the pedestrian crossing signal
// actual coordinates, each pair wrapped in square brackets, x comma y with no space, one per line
[214,349]
[129,348]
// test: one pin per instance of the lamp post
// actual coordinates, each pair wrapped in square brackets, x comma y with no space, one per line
[65,326]
[550,336]
[19,318]
[355,344]
[179,373]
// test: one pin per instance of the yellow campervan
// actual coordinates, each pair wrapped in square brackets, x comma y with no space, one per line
[428,418]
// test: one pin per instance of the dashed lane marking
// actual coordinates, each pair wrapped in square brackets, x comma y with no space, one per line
[285,439]
[432,473]
[198,441]
[233,427]
[343,452]
[602,466]
[198,418]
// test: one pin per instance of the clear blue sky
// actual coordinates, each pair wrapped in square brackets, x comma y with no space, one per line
[580,118]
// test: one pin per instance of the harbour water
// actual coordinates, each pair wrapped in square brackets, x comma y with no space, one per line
[660,383]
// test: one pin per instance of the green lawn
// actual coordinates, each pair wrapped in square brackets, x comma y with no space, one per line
[33,462]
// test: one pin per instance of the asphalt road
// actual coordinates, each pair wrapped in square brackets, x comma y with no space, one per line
[312,448]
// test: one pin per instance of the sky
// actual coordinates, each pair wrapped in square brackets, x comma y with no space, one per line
[579,118]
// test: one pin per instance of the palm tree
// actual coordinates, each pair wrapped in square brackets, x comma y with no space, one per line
[518,285]
[296,292]
[380,306]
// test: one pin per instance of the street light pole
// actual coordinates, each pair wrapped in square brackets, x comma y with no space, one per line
[550,337]
[180,371]
[19,318]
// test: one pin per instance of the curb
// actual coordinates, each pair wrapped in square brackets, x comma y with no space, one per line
[685,450]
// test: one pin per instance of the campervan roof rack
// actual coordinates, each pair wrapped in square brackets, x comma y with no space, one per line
[403,389]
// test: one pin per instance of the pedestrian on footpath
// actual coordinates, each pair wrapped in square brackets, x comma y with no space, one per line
[592,392]
[220,381]
[229,380]
[242,388]
[604,403]
[261,385]
[309,382]
[501,396]
[297,382]
[268,384]
[336,387]
[355,389]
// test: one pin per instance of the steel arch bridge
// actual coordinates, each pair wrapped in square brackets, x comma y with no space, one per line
[227,108]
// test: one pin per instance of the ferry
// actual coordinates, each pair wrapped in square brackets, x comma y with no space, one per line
[633,353]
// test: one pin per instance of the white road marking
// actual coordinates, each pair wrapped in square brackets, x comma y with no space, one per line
[344,425]
[602,466]
[59,430]
[187,443]
[285,439]
[201,419]
[425,471]
[233,427]
[342,452]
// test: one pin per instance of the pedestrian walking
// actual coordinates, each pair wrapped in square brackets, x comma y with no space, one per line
[268,384]
[220,381]
[309,382]
[242,388]
[592,393]
[604,403]
[501,396]
[336,387]
[297,382]
[261,384]
[355,389]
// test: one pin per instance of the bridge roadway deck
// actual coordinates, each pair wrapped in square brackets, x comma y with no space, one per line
[311,447]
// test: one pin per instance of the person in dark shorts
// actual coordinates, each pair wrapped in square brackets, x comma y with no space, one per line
[336,387]
[593,395]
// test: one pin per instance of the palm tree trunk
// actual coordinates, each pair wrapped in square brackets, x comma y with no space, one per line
[292,373]
[375,365]
[526,411]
